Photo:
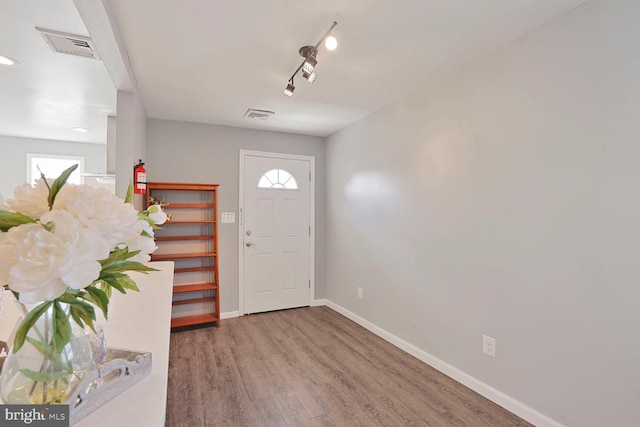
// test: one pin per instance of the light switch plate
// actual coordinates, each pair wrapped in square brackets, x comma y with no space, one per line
[228,217]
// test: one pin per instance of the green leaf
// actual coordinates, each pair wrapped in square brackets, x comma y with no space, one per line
[129,197]
[76,317]
[99,298]
[85,308]
[73,292]
[11,219]
[61,328]
[79,314]
[117,254]
[146,218]
[146,234]
[104,287]
[120,266]
[28,322]
[59,183]
[79,310]
[44,377]
[49,226]
[112,282]
[128,283]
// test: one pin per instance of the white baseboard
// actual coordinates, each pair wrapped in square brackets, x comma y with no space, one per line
[319,302]
[520,409]
[229,314]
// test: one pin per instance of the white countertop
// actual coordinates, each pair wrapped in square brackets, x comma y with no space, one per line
[137,321]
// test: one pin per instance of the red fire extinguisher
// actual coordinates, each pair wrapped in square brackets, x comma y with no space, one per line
[139,178]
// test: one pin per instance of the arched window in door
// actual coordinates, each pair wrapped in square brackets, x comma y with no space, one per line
[278,179]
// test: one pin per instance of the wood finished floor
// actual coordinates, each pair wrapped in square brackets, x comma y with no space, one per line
[311,367]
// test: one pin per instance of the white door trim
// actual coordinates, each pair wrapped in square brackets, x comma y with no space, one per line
[312,216]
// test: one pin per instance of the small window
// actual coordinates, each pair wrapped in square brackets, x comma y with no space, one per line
[52,166]
[278,179]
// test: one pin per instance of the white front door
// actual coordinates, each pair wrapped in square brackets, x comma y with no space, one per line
[276,232]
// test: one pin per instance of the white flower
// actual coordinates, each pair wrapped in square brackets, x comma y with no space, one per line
[136,240]
[99,210]
[62,249]
[30,200]
[39,261]
[157,215]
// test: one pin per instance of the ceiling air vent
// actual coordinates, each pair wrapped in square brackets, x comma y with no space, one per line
[252,113]
[71,44]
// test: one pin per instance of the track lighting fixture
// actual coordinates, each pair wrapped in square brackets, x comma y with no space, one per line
[309,76]
[309,53]
[290,88]
[310,63]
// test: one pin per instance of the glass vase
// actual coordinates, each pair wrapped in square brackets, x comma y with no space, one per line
[35,374]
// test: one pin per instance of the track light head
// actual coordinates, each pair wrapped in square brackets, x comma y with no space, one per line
[330,42]
[309,53]
[290,88]
[309,76]
[310,64]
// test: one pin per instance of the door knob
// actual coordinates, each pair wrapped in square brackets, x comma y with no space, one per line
[249,244]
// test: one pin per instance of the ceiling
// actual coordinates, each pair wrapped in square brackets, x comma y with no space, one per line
[209,61]
[48,94]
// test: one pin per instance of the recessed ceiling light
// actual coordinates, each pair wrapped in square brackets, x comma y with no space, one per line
[81,129]
[5,60]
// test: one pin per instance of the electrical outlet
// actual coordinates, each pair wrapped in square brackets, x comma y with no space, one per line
[489,346]
[359,292]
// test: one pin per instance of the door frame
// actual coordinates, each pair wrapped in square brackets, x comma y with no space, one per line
[312,216]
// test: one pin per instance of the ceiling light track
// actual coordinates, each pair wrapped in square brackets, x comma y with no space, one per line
[309,53]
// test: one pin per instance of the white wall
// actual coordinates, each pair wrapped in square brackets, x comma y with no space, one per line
[131,134]
[14,154]
[189,152]
[503,199]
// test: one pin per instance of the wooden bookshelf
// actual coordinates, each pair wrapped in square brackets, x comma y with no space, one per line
[190,239]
